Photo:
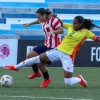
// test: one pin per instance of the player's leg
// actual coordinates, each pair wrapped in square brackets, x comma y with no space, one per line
[28,62]
[36,72]
[45,73]
[68,67]
[37,51]
[43,58]
[69,80]
[46,57]
[49,56]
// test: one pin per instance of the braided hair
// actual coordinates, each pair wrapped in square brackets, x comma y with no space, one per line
[43,11]
[86,23]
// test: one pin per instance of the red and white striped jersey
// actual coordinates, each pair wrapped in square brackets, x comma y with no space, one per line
[54,39]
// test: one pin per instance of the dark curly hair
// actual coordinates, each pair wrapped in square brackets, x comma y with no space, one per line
[86,23]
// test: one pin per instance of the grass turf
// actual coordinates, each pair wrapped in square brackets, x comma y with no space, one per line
[29,89]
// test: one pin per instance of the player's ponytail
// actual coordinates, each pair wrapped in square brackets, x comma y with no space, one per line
[48,12]
[86,23]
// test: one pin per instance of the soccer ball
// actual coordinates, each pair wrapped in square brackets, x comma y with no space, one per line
[6,81]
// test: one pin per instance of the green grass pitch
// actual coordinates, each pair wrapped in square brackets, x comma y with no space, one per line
[29,89]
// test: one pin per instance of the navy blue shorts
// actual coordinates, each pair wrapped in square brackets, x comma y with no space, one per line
[41,49]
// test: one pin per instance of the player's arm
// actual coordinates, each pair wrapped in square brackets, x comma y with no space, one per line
[96,38]
[58,31]
[65,25]
[34,22]
[92,36]
[58,19]
[57,27]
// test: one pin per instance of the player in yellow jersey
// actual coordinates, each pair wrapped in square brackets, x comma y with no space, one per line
[77,33]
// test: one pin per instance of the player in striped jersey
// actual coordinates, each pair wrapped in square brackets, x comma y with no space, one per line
[52,30]
[77,33]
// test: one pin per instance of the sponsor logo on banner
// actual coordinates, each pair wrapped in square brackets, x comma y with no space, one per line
[4,51]
[29,48]
[95,53]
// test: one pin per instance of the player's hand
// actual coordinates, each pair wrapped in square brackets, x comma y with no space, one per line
[49,33]
[26,25]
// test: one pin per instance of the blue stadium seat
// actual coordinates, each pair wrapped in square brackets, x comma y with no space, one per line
[35,37]
[76,11]
[23,4]
[41,37]
[2,20]
[74,1]
[96,22]
[7,32]
[96,32]
[19,26]
[7,15]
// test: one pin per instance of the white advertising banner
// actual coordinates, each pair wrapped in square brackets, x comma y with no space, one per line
[8,52]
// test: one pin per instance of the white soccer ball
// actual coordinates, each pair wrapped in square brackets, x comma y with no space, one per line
[6,81]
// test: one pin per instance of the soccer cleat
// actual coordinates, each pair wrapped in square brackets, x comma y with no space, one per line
[11,68]
[46,82]
[83,82]
[37,74]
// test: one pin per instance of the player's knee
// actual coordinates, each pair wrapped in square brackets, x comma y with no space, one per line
[44,58]
[27,56]
[31,54]
[68,81]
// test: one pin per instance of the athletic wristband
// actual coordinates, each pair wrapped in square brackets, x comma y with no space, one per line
[95,37]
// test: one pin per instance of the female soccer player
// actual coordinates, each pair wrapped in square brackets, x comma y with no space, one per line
[52,27]
[77,33]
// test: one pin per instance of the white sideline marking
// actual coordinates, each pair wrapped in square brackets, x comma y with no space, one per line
[32,97]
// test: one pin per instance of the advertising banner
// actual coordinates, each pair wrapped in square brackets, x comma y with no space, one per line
[88,55]
[8,52]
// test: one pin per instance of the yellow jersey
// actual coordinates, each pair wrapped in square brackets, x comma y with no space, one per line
[74,39]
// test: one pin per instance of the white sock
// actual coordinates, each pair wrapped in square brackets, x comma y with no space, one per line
[71,81]
[31,61]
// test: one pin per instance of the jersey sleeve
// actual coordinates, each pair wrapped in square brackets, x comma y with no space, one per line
[67,25]
[55,23]
[90,35]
